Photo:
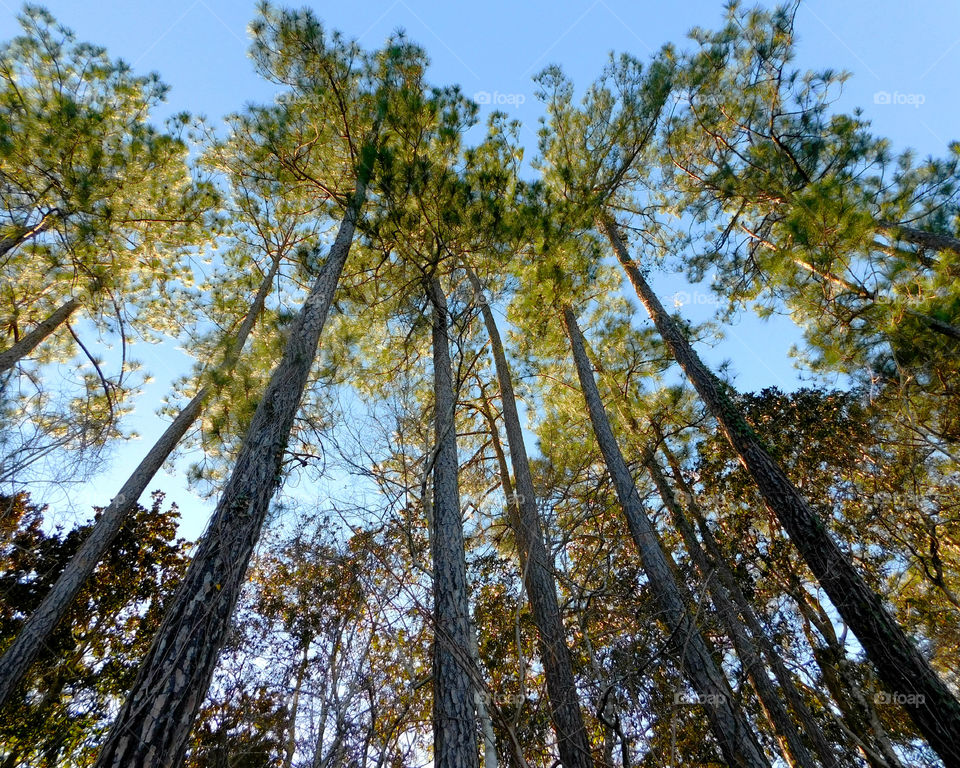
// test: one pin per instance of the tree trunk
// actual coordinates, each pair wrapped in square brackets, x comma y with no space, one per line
[454,713]
[290,748]
[13,355]
[934,710]
[17,659]
[810,727]
[515,755]
[538,568]
[792,745]
[727,720]
[480,702]
[154,723]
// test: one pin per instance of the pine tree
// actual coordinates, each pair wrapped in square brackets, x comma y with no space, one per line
[153,726]
[99,206]
[589,170]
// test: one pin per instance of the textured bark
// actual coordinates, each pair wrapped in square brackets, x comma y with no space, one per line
[810,727]
[454,712]
[18,657]
[727,720]
[538,568]
[155,721]
[13,355]
[30,640]
[934,710]
[794,750]
[515,756]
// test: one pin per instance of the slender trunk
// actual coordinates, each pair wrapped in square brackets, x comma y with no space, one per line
[809,725]
[934,710]
[727,720]
[291,744]
[609,729]
[454,712]
[13,355]
[318,754]
[154,723]
[883,745]
[873,758]
[514,516]
[480,702]
[506,481]
[792,745]
[29,641]
[18,657]
[538,568]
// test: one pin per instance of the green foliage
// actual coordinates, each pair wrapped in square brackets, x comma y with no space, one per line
[99,207]
[98,203]
[804,211]
[887,498]
[725,162]
[89,663]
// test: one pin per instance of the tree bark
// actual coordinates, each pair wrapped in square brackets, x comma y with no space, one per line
[794,749]
[17,659]
[538,567]
[14,354]
[727,720]
[934,710]
[842,685]
[454,711]
[154,723]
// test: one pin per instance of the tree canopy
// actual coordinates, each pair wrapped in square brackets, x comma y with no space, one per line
[479,500]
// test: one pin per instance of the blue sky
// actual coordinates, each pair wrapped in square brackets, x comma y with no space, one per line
[199,46]
[904,59]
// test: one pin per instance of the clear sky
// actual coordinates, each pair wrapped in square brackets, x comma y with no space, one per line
[904,59]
